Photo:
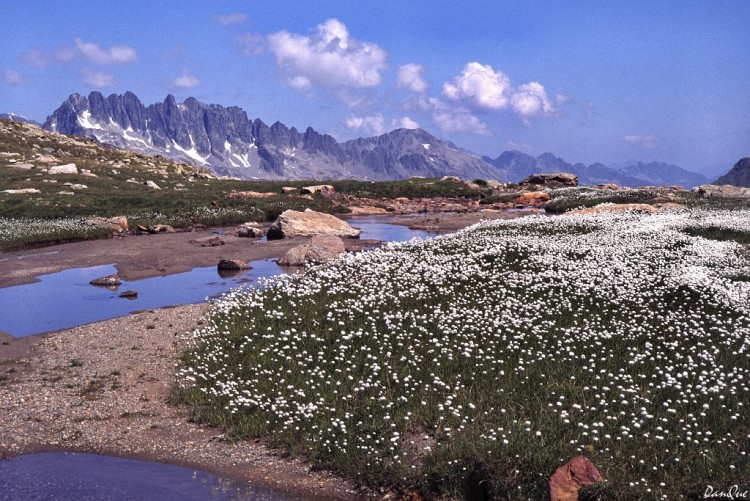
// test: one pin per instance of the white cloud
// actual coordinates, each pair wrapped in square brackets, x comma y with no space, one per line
[408,123]
[410,77]
[12,77]
[645,142]
[482,88]
[117,54]
[329,59]
[373,125]
[251,44]
[456,118]
[229,19]
[186,80]
[97,78]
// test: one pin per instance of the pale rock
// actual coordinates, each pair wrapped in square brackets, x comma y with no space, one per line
[293,223]
[63,169]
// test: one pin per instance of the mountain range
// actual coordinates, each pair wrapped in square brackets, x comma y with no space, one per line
[225,141]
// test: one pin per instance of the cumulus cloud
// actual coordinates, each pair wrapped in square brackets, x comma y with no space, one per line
[408,123]
[329,59]
[410,77]
[117,54]
[645,142]
[12,77]
[97,78]
[375,125]
[482,88]
[456,118]
[186,80]
[229,19]
[251,44]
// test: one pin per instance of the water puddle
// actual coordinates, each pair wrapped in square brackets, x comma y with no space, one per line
[74,476]
[66,299]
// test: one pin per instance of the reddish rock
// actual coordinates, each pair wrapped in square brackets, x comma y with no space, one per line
[567,479]
[533,198]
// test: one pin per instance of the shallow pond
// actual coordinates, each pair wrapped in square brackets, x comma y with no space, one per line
[74,476]
[66,299]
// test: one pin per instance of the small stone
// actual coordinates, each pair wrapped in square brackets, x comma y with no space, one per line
[129,294]
[233,264]
[108,281]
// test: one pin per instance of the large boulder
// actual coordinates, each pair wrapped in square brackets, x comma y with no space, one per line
[537,198]
[63,169]
[722,191]
[552,180]
[321,249]
[323,189]
[570,477]
[292,223]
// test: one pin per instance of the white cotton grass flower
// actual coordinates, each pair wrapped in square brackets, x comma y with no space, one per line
[612,335]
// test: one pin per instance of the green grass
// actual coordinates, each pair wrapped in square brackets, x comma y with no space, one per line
[476,365]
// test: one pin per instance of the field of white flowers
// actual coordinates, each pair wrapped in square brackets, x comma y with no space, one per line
[484,360]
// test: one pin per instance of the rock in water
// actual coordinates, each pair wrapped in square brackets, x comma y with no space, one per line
[108,281]
[567,479]
[129,294]
[292,223]
[324,248]
[296,256]
[321,249]
[233,264]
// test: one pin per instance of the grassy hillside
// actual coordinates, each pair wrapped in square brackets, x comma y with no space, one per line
[112,182]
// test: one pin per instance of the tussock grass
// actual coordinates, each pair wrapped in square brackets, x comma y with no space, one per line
[476,364]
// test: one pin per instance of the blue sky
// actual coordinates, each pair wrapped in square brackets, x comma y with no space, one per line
[589,81]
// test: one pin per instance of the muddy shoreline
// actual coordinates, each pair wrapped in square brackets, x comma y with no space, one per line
[104,387]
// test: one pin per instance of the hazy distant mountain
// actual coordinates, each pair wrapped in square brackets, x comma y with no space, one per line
[227,142]
[656,173]
[15,117]
[517,165]
[739,175]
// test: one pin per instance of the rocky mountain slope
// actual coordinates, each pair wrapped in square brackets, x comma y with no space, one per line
[739,175]
[226,141]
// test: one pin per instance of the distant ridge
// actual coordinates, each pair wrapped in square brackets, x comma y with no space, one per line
[739,175]
[227,142]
